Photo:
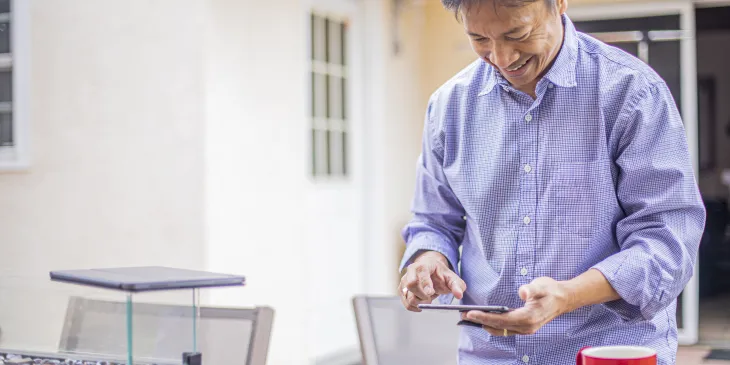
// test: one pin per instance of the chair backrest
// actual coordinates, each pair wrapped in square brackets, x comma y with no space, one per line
[391,335]
[163,332]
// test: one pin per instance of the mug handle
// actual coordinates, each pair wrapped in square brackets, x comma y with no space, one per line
[579,357]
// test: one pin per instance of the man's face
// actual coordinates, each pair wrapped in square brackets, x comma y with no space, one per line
[519,41]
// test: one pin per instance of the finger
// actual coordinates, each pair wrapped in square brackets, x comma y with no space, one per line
[440,284]
[410,279]
[492,331]
[520,321]
[532,291]
[456,285]
[525,293]
[405,298]
[496,320]
[404,301]
[447,282]
[497,332]
[403,295]
[411,302]
[419,281]
[474,316]
[425,282]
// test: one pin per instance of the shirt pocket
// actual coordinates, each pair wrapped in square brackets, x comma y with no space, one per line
[577,197]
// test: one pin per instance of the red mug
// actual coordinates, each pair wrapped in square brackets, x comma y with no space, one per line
[616,355]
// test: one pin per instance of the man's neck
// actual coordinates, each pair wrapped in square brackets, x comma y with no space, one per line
[530,89]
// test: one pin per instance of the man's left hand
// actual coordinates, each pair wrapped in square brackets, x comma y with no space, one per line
[544,298]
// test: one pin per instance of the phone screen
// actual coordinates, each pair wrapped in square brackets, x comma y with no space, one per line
[466,308]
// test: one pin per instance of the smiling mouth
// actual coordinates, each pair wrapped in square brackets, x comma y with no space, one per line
[518,66]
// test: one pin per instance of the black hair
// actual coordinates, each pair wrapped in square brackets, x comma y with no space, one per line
[456,5]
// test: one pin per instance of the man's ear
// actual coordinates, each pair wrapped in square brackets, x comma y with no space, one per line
[562,6]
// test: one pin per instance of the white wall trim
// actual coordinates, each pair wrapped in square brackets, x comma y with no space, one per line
[328,190]
[377,54]
[626,10]
[688,333]
[17,157]
[711,3]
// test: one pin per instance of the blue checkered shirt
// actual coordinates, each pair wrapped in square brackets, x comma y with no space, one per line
[593,173]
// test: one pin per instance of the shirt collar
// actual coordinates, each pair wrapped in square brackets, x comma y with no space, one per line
[562,72]
[492,79]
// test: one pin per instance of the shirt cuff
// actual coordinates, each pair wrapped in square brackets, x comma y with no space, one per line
[431,241]
[633,274]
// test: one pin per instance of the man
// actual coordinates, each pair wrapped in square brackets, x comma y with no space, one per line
[559,165]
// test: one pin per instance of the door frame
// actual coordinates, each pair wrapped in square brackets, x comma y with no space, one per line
[688,333]
[353,182]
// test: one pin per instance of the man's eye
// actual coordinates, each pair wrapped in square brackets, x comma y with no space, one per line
[521,38]
[480,39]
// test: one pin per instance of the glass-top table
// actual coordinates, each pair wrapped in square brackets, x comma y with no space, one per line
[49,322]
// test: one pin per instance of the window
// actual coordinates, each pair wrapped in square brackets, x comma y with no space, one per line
[14,83]
[6,78]
[329,96]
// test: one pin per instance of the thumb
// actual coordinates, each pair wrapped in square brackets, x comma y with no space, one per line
[530,292]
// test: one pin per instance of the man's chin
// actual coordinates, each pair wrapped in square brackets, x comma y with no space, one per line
[519,82]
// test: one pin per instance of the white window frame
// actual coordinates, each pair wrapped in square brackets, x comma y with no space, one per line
[17,156]
[339,12]
[689,332]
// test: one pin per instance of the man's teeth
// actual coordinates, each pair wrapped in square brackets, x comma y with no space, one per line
[518,67]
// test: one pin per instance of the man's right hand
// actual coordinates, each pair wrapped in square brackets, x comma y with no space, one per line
[426,278]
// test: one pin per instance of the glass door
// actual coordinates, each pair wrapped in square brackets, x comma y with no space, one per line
[662,35]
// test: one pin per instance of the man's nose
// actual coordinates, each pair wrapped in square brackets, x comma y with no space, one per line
[503,56]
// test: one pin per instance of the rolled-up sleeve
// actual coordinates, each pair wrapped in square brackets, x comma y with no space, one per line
[438,217]
[664,214]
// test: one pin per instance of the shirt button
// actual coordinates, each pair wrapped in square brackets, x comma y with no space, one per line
[527,220]
[528,168]
[525,359]
[528,117]
[523,271]
[550,86]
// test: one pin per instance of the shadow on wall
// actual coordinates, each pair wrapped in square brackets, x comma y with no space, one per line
[401,249]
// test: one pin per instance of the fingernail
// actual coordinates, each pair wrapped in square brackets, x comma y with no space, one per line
[428,290]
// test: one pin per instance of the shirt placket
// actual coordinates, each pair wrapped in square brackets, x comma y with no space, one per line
[528,190]
[528,140]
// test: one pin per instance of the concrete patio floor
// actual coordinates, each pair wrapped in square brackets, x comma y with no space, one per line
[694,355]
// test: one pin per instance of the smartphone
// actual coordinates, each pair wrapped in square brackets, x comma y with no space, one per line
[464,322]
[466,308]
